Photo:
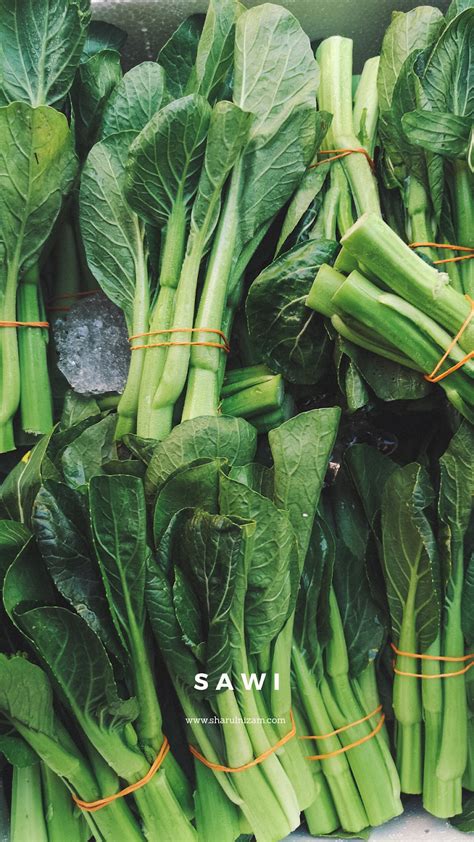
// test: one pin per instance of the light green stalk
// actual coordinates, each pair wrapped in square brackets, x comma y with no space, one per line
[27,816]
[63,820]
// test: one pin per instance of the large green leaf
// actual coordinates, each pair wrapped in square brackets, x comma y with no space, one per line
[22,484]
[196,482]
[256,476]
[291,341]
[40,48]
[408,31]
[410,553]
[76,408]
[135,100]
[215,52]
[448,79]
[439,132]
[95,80]
[85,456]
[223,437]
[13,536]
[26,695]
[62,533]
[468,603]
[275,69]
[301,448]
[166,158]
[178,57]
[102,35]
[269,595]
[16,751]
[112,233]
[37,168]
[118,516]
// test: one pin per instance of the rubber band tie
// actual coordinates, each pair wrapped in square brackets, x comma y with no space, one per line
[224,345]
[356,743]
[217,767]
[434,377]
[468,249]
[24,324]
[93,806]
[342,153]
[443,658]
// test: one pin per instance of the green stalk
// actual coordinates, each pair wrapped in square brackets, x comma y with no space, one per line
[242,378]
[376,788]
[162,313]
[371,239]
[468,780]
[345,216]
[35,402]
[321,815]
[335,95]
[115,822]
[128,405]
[62,818]
[216,816]
[269,420]
[336,769]
[407,700]
[9,365]
[267,810]
[452,759]
[4,813]
[366,105]
[418,209]
[202,395]
[27,815]
[256,400]
[432,700]
[365,687]
[463,193]
[359,335]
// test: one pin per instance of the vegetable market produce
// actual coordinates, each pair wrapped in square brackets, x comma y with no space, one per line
[236,598]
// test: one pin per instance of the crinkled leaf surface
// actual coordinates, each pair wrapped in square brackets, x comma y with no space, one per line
[40,48]
[292,338]
[178,56]
[166,158]
[37,168]
[135,100]
[215,51]
[439,132]
[196,482]
[26,694]
[84,457]
[448,78]
[223,437]
[93,85]
[112,233]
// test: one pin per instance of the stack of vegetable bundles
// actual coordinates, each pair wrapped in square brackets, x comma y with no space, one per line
[237,597]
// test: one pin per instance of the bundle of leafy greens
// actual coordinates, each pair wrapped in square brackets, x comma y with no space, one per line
[210,193]
[422,526]
[396,305]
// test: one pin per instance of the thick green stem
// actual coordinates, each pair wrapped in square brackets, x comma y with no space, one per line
[366,105]
[256,400]
[35,402]
[62,820]
[335,95]
[162,314]
[128,404]
[9,363]
[336,769]
[418,209]
[463,200]
[27,817]
[407,701]
[321,815]
[407,274]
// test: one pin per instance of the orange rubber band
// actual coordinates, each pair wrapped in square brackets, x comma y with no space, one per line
[434,377]
[343,749]
[24,324]
[342,153]
[443,658]
[344,727]
[217,767]
[447,246]
[224,345]
[93,806]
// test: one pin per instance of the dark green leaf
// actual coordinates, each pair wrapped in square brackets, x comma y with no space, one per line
[448,79]
[166,158]
[140,447]
[21,486]
[410,553]
[223,437]
[292,338]
[389,380]
[16,751]
[40,48]
[178,56]
[84,457]
[76,408]
[196,482]
[457,483]
[465,822]
[102,35]
[439,132]
[26,695]
[135,100]
[215,52]
[468,603]
[37,168]
[118,516]
[256,476]
[112,233]
[301,448]
[93,85]
[62,533]
[13,536]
